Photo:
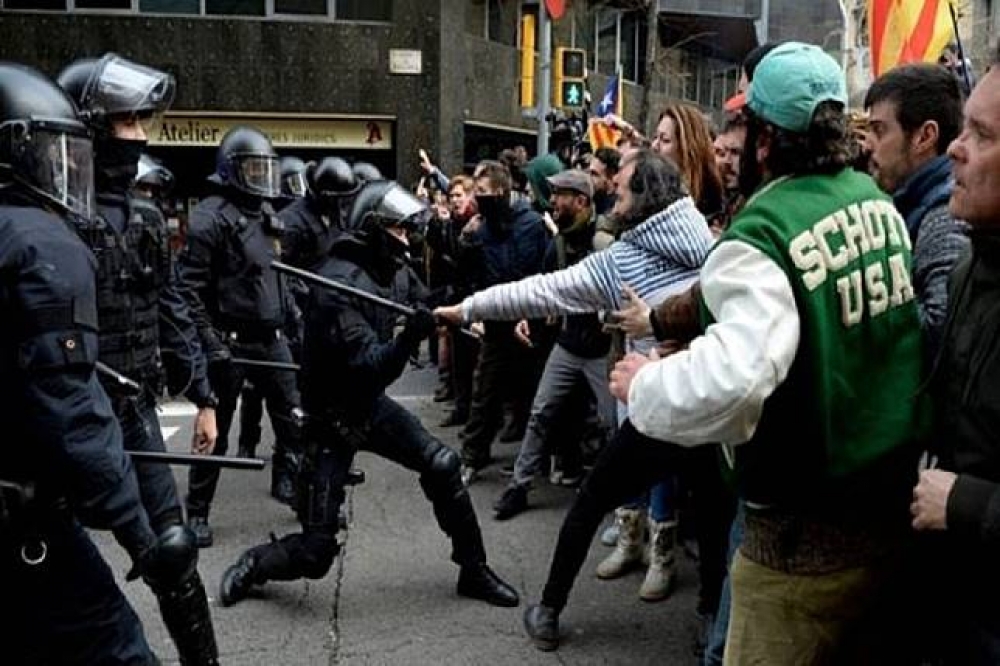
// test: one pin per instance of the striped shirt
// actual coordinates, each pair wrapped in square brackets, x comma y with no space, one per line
[658,258]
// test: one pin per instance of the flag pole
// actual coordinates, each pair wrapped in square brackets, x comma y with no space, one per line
[958,42]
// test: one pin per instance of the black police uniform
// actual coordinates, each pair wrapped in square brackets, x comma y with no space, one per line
[240,306]
[349,358]
[137,289]
[63,606]
[309,233]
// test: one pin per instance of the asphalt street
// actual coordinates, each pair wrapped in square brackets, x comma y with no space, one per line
[390,598]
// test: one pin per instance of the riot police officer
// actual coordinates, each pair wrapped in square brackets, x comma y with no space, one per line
[293,178]
[314,222]
[63,465]
[349,357]
[240,306]
[137,288]
[152,180]
[366,172]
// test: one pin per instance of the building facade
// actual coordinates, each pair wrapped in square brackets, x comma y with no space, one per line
[373,80]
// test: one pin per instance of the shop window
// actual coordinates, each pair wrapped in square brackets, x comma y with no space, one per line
[237,7]
[364,10]
[170,6]
[103,4]
[303,7]
[58,5]
[607,42]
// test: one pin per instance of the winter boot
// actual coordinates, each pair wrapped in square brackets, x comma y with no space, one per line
[660,576]
[628,551]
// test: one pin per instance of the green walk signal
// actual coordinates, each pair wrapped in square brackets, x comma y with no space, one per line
[571,94]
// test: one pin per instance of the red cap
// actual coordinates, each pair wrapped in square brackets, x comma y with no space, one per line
[736,102]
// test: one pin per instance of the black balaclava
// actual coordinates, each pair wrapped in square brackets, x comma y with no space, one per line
[116,163]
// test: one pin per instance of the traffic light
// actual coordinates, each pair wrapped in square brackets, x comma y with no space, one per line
[570,82]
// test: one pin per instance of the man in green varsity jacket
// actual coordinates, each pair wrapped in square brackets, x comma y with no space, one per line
[807,371]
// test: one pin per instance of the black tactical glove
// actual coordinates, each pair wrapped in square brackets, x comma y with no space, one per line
[418,326]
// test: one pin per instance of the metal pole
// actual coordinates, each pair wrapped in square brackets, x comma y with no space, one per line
[308,276]
[272,365]
[544,77]
[764,23]
[961,49]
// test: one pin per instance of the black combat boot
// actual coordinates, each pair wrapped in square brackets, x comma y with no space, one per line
[513,501]
[542,625]
[477,581]
[238,579]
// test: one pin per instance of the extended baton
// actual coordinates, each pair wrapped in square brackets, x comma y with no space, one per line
[192,459]
[124,382]
[273,365]
[309,276]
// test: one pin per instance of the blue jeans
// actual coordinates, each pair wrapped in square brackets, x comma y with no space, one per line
[659,499]
[717,639]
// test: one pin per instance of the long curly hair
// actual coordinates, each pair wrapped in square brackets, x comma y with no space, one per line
[695,155]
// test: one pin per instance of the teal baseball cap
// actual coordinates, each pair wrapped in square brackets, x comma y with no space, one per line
[791,81]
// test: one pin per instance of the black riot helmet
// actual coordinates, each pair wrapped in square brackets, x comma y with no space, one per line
[293,177]
[113,87]
[45,151]
[330,181]
[380,205]
[153,177]
[366,172]
[247,162]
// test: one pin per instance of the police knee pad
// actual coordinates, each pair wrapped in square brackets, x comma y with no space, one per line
[444,474]
[173,560]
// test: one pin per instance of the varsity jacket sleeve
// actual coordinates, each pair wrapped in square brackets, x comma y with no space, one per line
[572,290]
[715,390]
[940,244]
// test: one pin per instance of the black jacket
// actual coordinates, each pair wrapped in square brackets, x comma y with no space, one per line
[349,353]
[60,431]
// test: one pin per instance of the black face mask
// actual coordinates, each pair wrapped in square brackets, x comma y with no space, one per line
[116,163]
[494,208]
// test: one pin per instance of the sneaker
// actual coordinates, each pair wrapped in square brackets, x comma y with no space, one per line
[513,501]
[203,535]
[609,537]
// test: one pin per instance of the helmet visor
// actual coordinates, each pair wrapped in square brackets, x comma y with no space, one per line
[399,207]
[295,184]
[125,87]
[259,175]
[57,163]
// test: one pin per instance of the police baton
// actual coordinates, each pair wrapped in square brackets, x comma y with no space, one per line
[310,277]
[271,365]
[130,386]
[191,459]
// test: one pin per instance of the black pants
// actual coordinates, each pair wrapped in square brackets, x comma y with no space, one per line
[67,609]
[507,371]
[141,432]
[629,465]
[464,358]
[281,396]
[251,412]
[396,435]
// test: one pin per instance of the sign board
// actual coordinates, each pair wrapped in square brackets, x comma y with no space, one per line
[406,61]
[194,129]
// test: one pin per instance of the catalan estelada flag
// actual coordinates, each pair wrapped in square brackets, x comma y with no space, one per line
[601,134]
[903,31]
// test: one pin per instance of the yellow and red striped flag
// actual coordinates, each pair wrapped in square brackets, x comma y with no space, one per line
[903,31]
[599,132]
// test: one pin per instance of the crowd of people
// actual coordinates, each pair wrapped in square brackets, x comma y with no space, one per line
[771,338]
